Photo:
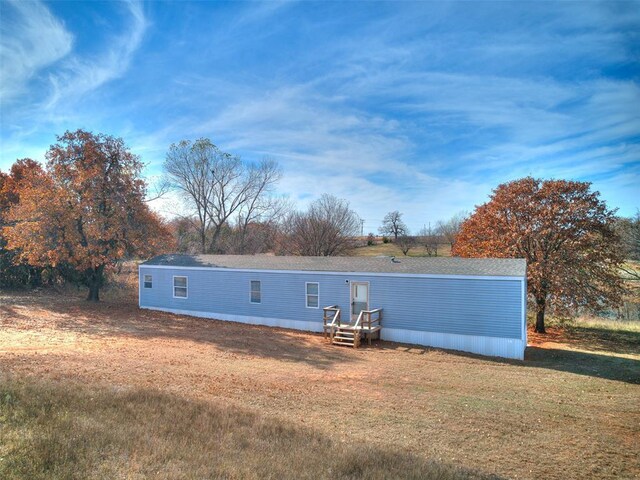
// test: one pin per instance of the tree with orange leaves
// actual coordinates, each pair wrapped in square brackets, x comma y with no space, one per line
[563,230]
[86,211]
[12,272]
[10,183]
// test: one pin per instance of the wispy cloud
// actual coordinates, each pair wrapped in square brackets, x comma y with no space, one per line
[418,106]
[79,75]
[326,146]
[31,38]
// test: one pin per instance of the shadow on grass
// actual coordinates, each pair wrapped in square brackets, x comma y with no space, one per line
[592,364]
[9,311]
[120,316]
[610,367]
[66,430]
[602,339]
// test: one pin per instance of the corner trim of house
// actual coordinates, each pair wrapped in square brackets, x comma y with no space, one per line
[524,311]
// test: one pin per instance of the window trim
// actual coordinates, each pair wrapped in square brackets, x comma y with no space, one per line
[144,280]
[186,287]
[251,291]
[306,295]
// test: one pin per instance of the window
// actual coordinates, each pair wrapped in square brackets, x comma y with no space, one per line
[179,287]
[256,296]
[148,281]
[313,295]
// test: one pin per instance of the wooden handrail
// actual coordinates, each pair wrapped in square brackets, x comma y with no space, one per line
[330,314]
[332,325]
[368,314]
[375,310]
[359,318]
[369,322]
[356,332]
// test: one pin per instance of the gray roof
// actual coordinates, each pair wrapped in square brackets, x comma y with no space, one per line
[510,267]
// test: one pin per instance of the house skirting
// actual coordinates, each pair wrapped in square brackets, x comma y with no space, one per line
[269,322]
[490,346]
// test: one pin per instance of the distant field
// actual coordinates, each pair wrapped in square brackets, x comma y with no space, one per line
[393,250]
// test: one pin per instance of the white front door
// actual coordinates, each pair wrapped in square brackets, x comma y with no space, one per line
[359,298]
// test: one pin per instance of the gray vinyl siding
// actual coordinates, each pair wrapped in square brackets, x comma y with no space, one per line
[475,306]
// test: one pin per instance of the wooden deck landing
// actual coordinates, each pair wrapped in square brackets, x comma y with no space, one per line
[368,324]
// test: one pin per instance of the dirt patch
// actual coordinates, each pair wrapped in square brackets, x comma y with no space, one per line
[562,413]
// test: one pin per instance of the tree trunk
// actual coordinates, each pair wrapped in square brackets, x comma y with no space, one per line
[203,241]
[94,293]
[242,247]
[540,316]
[94,280]
[213,245]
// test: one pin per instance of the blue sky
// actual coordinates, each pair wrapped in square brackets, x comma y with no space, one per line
[420,107]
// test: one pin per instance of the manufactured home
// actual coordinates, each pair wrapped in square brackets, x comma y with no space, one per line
[475,305]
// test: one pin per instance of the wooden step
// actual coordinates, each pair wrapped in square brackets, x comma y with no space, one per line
[338,337]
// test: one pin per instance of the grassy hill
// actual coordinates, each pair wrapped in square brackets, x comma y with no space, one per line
[391,249]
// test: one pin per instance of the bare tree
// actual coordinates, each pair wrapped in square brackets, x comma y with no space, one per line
[159,188]
[450,229]
[234,183]
[262,205]
[218,186]
[329,227]
[249,227]
[190,168]
[185,236]
[392,224]
[629,231]
[430,238]
[406,243]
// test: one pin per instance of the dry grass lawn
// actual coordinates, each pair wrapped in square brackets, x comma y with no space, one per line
[165,396]
[69,430]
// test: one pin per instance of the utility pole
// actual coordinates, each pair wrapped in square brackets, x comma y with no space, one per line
[362,227]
